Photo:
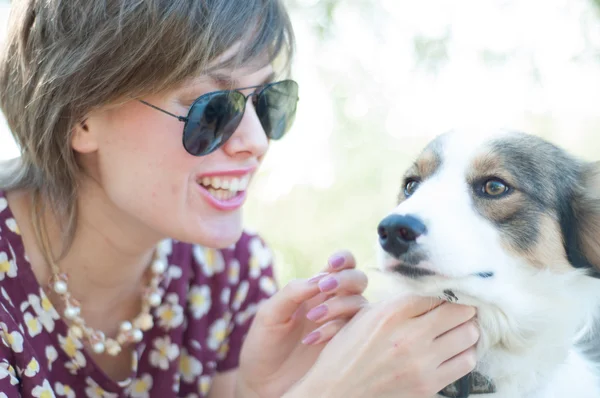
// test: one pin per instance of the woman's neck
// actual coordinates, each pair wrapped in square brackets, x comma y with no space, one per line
[106,262]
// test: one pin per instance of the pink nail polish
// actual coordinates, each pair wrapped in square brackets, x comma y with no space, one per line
[336,261]
[317,312]
[311,338]
[318,277]
[327,284]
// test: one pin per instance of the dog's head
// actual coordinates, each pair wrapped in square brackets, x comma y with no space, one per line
[505,219]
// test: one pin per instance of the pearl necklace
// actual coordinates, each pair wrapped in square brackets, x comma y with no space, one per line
[129,331]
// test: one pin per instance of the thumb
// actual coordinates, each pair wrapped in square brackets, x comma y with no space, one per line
[281,307]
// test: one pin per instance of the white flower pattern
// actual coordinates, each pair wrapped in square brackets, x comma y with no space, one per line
[93,390]
[261,257]
[164,352]
[43,391]
[140,388]
[195,331]
[64,390]
[51,355]
[32,368]
[211,260]
[218,332]
[199,300]
[34,327]
[8,371]
[170,314]
[11,223]
[8,267]
[43,308]
[13,339]
[189,367]
[240,295]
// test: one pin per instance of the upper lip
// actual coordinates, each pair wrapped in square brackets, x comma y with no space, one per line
[232,172]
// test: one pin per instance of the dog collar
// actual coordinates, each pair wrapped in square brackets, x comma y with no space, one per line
[473,383]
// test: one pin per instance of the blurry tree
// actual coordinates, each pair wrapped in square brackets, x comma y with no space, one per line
[307,224]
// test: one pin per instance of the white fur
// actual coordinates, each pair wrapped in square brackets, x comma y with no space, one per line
[529,318]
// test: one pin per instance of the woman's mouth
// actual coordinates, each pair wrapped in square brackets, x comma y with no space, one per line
[224,192]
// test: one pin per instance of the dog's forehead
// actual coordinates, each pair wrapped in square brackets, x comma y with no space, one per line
[464,145]
[457,149]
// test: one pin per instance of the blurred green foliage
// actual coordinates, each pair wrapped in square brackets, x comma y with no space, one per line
[306,225]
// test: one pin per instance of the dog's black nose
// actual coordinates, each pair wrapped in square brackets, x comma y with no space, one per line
[397,233]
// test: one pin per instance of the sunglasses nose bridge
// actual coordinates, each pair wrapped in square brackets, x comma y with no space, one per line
[252,94]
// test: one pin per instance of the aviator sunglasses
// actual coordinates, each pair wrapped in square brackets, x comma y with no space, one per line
[214,117]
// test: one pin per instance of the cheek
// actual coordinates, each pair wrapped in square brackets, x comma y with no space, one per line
[141,153]
[516,218]
[140,133]
[544,248]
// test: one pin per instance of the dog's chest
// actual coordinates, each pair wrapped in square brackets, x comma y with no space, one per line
[575,378]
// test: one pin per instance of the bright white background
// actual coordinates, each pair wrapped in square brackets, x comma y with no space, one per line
[380,78]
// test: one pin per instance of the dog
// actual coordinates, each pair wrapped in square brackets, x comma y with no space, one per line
[509,223]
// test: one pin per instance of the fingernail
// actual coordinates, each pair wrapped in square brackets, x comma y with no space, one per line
[328,284]
[317,312]
[311,338]
[336,261]
[318,277]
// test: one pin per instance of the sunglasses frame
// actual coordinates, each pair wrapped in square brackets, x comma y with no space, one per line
[256,94]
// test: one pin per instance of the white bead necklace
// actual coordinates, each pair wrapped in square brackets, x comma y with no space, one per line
[129,331]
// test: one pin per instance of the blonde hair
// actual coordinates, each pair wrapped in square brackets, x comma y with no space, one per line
[64,58]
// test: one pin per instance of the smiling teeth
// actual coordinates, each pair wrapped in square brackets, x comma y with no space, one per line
[228,184]
[221,194]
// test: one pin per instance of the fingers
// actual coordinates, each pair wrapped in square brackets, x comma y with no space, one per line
[340,260]
[282,305]
[446,317]
[337,307]
[456,367]
[325,332]
[348,281]
[406,307]
[339,277]
[457,340]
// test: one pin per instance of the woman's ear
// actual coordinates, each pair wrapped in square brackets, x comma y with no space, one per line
[582,232]
[83,137]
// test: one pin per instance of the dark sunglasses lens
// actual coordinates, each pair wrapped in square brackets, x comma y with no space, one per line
[276,107]
[212,120]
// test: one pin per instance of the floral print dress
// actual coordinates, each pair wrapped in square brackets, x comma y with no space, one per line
[210,298]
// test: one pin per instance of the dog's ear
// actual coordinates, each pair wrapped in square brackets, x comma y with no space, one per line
[580,221]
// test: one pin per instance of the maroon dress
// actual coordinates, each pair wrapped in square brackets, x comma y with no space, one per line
[210,298]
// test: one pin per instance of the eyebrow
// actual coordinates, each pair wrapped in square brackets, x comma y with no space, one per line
[224,80]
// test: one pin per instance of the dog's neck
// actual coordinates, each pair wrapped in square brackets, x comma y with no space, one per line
[518,352]
[472,383]
[529,326]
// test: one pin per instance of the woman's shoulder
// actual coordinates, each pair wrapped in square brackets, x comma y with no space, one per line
[8,225]
[5,213]
[11,246]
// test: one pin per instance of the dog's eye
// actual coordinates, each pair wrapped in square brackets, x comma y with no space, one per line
[410,187]
[495,187]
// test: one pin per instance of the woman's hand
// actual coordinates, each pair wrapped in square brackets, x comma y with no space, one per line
[404,348]
[289,329]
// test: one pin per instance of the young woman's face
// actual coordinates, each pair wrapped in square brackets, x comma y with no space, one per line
[135,157]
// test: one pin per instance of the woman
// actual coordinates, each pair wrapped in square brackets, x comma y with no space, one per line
[124,268]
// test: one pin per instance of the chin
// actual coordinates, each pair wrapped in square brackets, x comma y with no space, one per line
[508,223]
[216,232]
